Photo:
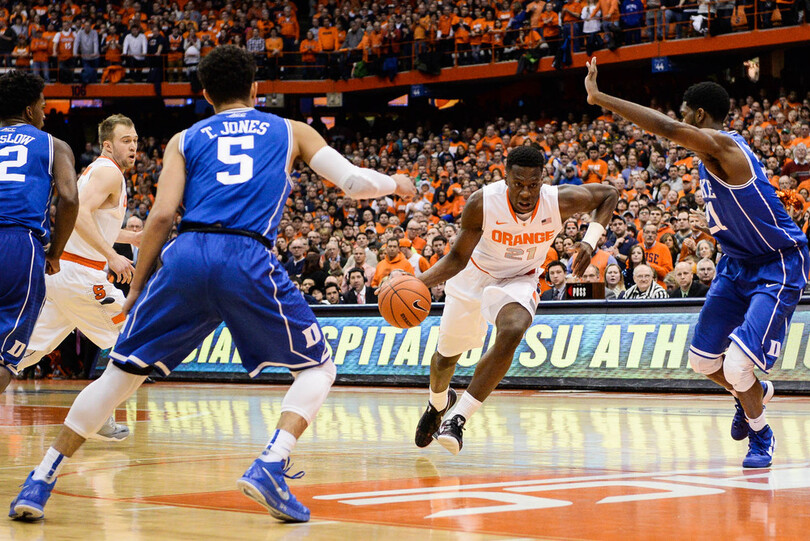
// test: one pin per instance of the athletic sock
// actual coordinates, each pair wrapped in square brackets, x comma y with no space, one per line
[50,466]
[439,400]
[759,423]
[279,447]
[466,406]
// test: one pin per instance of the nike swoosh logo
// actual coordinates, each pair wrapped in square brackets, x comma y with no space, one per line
[500,223]
[770,285]
[283,494]
[416,305]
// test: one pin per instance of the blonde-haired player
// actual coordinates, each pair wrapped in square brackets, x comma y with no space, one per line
[491,273]
[81,296]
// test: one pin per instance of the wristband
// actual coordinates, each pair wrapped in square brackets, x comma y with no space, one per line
[593,234]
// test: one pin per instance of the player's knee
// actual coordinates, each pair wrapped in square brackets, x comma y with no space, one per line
[443,362]
[739,369]
[703,364]
[328,369]
[512,329]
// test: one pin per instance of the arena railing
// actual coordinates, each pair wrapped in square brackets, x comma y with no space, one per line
[639,345]
[433,55]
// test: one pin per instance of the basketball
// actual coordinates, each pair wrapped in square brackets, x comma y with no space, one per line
[404,301]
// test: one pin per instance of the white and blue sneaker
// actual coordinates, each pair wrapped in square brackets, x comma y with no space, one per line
[264,483]
[760,448]
[111,431]
[739,425]
[29,505]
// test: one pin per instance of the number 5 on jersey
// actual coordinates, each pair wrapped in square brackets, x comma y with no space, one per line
[225,154]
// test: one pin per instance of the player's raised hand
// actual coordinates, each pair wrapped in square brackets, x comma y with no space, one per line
[405,186]
[582,258]
[121,268]
[590,81]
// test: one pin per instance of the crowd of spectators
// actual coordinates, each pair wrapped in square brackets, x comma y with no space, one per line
[164,39]
[657,245]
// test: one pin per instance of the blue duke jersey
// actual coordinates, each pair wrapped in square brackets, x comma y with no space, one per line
[237,179]
[237,161]
[748,220]
[760,281]
[26,174]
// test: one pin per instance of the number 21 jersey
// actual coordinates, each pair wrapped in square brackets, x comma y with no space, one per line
[748,220]
[510,246]
[236,170]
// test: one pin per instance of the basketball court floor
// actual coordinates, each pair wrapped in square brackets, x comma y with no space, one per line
[535,465]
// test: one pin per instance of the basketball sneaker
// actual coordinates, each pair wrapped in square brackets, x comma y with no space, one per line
[432,419]
[111,431]
[739,425]
[264,483]
[450,433]
[760,448]
[29,505]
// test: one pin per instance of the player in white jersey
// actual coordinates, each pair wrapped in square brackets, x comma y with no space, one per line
[492,274]
[81,296]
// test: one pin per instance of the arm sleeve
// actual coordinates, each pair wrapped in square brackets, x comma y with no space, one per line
[357,182]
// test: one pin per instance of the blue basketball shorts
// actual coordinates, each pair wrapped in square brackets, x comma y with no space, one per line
[22,291]
[751,303]
[208,278]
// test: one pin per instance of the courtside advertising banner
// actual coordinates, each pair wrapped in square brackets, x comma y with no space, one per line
[608,345]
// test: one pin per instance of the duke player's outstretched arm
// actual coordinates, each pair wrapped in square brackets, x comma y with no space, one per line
[472,227]
[64,177]
[103,188]
[717,151]
[171,185]
[357,182]
[576,199]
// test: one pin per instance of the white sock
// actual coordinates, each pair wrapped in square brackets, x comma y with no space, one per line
[279,447]
[466,406]
[758,423]
[439,400]
[50,466]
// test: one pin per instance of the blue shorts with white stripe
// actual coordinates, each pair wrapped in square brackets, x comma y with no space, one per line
[22,291]
[751,302]
[208,278]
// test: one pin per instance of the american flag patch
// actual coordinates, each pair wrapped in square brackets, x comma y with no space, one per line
[545,221]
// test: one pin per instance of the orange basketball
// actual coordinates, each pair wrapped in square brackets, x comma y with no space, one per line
[404,301]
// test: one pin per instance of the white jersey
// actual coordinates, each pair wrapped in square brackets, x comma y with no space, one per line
[108,220]
[510,246]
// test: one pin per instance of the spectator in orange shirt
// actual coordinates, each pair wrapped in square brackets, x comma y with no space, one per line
[593,169]
[462,25]
[288,28]
[393,260]
[572,23]
[550,24]
[274,47]
[658,255]
[489,141]
[309,46]
[21,54]
[440,248]
[40,49]
[63,51]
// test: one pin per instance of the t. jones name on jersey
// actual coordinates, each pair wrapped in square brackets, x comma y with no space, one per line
[238,128]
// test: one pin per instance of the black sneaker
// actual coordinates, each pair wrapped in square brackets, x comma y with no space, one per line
[450,433]
[431,419]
